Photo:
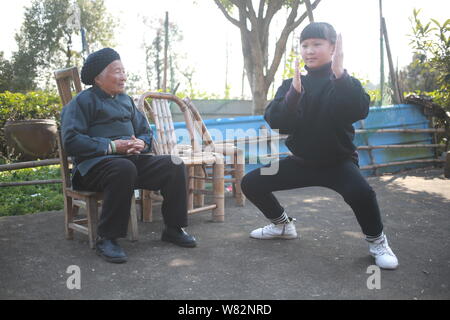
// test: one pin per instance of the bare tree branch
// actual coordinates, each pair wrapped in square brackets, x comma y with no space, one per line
[261,9]
[281,43]
[303,16]
[309,10]
[272,8]
[237,23]
[251,13]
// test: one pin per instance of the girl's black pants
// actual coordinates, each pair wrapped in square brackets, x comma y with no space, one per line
[345,178]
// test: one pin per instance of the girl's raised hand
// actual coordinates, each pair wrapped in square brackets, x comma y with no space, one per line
[337,64]
[297,81]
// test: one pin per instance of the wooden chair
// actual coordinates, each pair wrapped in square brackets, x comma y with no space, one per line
[68,81]
[191,154]
[90,201]
[233,156]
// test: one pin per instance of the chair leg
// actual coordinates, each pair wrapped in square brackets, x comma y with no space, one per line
[139,204]
[68,217]
[239,195]
[238,175]
[190,189]
[199,199]
[92,216]
[133,222]
[219,191]
[147,209]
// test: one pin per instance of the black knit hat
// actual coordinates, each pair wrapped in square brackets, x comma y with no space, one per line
[96,62]
[320,30]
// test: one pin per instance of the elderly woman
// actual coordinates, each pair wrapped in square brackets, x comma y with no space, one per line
[109,138]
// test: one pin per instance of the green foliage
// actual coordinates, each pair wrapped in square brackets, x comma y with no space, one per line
[289,67]
[32,105]
[431,42]
[227,92]
[6,73]
[31,199]
[419,75]
[46,38]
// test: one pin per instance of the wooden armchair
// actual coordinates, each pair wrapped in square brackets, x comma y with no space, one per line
[191,154]
[68,81]
[233,156]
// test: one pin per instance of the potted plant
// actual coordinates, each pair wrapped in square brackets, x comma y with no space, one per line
[31,124]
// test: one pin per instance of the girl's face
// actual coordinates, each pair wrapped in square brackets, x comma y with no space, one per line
[316,52]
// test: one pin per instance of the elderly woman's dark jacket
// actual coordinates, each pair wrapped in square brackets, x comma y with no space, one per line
[93,119]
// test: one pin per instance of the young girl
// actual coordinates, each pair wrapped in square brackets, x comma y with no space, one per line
[317,112]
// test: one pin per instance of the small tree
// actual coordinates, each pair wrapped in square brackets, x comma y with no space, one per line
[46,38]
[431,41]
[6,74]
[154,53]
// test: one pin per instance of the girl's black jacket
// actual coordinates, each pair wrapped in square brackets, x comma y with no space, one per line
[319,119]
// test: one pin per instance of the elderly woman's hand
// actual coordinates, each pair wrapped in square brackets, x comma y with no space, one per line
[133,146]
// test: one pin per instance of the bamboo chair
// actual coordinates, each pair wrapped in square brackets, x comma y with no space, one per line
[233,157]
[68,81]
[191,154]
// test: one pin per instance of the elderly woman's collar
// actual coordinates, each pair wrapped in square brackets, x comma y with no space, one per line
[101,93]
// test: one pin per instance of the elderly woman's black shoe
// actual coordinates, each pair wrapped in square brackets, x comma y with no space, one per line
[179,237]
[110,250]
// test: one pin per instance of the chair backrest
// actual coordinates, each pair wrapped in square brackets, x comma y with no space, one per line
[199,125]
[64,163]
[68,81]
[159,112]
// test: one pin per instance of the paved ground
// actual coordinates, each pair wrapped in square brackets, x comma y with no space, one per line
[328,261]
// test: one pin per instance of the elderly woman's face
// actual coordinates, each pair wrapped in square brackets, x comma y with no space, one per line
[112,79]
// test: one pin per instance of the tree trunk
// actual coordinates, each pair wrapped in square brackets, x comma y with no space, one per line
[259,101]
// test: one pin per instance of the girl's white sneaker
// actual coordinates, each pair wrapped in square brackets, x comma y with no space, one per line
[384,257]
[275,231]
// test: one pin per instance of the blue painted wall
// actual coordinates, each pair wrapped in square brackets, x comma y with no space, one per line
[386,117]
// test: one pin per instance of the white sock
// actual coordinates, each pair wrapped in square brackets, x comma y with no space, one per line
[373,239]
[281,219]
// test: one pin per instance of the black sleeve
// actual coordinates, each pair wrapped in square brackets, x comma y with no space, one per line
[351,102]
[284,111]
[75,119]
[142,127]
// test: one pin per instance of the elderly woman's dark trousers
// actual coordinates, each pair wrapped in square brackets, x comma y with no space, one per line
[344,178]
[117,178]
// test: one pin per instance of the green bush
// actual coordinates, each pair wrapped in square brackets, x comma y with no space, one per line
[31,199]
[32,105]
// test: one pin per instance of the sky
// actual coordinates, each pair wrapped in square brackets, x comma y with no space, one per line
[207,34]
